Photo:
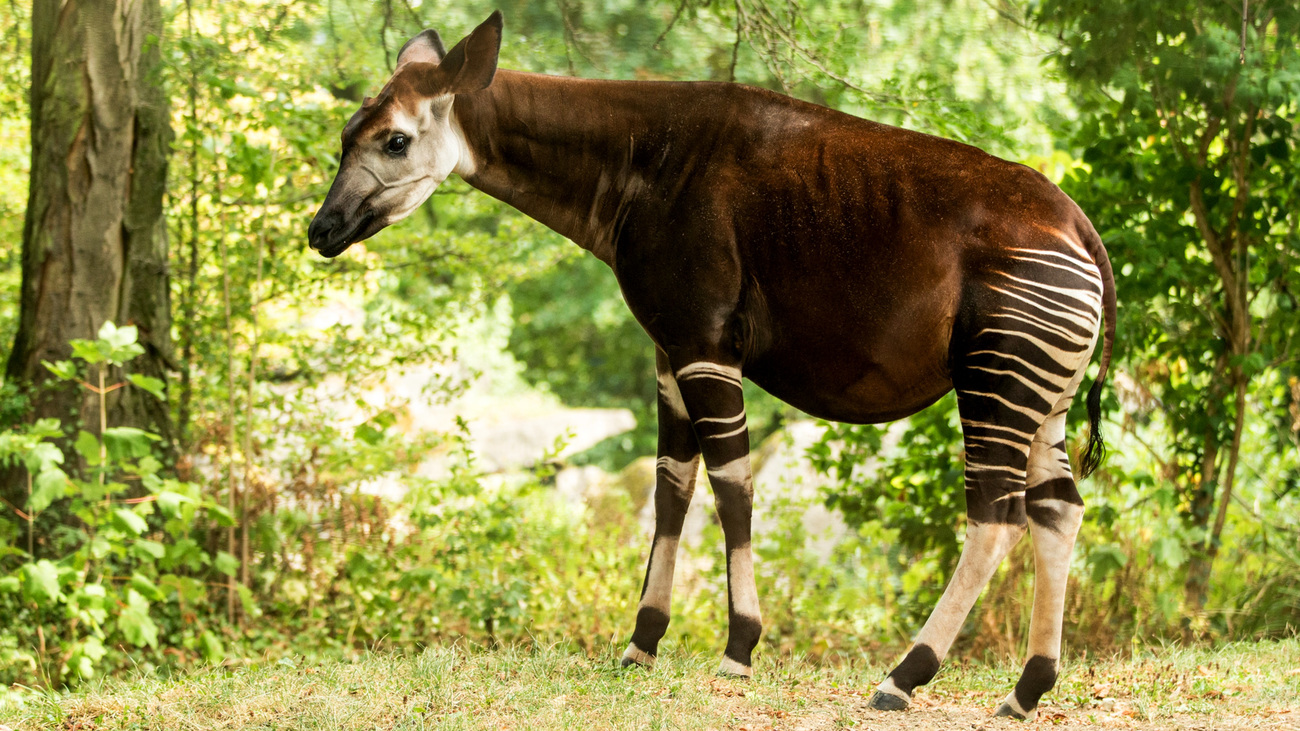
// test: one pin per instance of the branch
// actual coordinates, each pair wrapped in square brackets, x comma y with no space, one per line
[676,14]
[1212,240]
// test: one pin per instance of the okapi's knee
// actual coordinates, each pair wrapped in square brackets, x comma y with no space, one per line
[1055,504]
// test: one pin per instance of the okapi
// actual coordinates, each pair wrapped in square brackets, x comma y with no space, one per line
[854,270]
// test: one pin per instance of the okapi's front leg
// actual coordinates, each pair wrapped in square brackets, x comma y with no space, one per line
[714,399]
[675,471]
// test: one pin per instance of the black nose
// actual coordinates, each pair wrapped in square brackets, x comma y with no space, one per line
[318,233]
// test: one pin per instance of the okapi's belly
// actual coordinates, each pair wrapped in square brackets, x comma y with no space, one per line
[863,371]
[859,405]
[858,343]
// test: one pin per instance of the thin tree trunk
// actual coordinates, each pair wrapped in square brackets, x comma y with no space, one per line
[231,440]
[1229,477]
[254,297]
[1196,586]
[189,293]
[94,241]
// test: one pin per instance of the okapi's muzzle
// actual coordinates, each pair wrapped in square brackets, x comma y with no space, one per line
[332,231]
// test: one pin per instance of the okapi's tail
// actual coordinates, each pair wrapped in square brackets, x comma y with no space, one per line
[1095,450]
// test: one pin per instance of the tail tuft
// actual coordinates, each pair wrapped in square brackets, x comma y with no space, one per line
[1094,452]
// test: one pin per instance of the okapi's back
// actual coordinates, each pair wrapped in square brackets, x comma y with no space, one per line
[853,237]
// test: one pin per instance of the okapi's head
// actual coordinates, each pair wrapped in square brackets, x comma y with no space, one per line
[403,143]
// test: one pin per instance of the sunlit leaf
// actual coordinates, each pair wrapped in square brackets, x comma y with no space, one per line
[41,582]
[148,383]
[49,485]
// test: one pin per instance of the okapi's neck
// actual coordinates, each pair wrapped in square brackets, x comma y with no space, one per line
[570,153]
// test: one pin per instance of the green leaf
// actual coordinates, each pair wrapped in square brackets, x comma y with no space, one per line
[135,623]
[210,645]
[129,520]
[41,582]
[88,350]
[127,442]
[226,563]
[87,653]
[119,343]
[46,429]
[1106,560]
[48,486]
[170,502]
[148,383]
[146,587]
[63,369]
[10,584]
[368,434]
[144,547]
[42,456]
[115,336]
[87,445]
[221,515]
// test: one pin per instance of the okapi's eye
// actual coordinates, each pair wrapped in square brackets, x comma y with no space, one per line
[397,144]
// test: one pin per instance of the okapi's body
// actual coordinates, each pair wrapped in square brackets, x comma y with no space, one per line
[856,271]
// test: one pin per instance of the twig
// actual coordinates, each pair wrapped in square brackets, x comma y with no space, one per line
[676,14]
[20,513]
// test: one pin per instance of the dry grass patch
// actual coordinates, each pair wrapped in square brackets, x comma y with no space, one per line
[1239,686]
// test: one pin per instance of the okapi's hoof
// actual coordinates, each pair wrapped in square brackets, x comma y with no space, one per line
[732,669]
[882,701]
[634,655]
[1011,709]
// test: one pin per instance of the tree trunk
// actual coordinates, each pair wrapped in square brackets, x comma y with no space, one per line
[94,241]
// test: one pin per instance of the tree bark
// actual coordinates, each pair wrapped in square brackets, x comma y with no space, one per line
[94,241]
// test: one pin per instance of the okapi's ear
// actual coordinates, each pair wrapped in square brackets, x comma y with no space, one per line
[426,47]
[471,64]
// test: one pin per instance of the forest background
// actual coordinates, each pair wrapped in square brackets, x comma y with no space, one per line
[233,468]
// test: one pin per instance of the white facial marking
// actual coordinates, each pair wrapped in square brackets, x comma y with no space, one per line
[391,185]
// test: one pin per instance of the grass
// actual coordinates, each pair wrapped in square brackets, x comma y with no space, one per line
[1236,686]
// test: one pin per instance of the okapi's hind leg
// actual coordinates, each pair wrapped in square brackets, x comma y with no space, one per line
[996,459]
[675,471]
[1022,365]
[1002,410]
[1055,512]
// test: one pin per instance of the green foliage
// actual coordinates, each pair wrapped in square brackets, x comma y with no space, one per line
[914,486]
[1191,157]
[106,580]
